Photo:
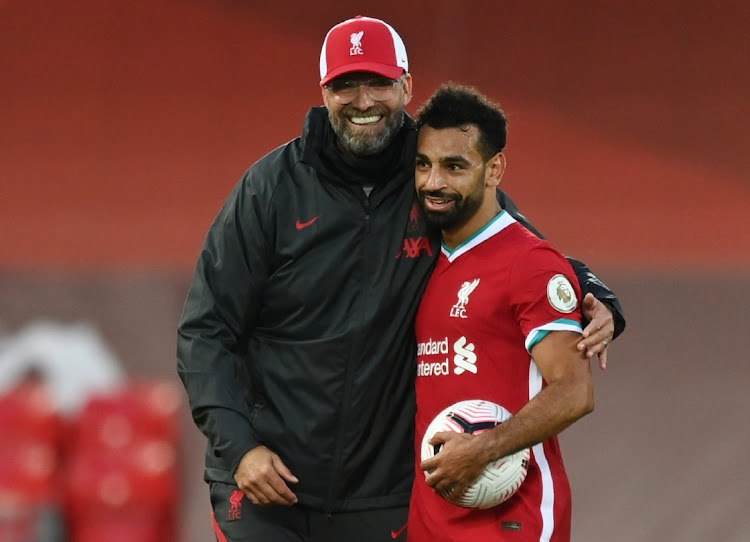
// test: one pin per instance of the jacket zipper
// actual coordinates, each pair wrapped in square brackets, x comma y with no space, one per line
[336,481]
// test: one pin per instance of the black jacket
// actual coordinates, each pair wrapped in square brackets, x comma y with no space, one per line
[297,331]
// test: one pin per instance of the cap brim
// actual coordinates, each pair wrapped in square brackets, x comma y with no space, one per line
[391,72]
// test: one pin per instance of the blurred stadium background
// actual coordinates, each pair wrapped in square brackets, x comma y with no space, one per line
[124,125]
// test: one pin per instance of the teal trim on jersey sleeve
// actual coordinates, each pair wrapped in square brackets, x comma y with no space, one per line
[561,324]
[537,337]
[569,322]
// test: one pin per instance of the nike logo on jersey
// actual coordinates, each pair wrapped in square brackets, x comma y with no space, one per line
[303,225]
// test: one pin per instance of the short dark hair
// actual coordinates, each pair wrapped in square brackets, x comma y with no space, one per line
[455,106]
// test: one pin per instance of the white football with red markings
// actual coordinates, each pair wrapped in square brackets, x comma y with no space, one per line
[501,478]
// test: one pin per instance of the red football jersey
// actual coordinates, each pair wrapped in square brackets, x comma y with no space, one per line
[487,304]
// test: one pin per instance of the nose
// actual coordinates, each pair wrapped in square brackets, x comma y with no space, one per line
[432,180]
[362,100]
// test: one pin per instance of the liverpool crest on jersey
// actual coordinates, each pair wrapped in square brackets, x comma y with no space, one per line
[459,309]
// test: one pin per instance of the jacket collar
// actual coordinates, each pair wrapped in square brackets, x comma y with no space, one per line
[318,140]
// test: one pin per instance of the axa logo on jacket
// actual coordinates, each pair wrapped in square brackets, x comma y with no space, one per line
[414,247]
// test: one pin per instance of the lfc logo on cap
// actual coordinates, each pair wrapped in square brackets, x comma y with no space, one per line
[356,40]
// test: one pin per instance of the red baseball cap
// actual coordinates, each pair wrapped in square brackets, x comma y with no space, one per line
[362,44]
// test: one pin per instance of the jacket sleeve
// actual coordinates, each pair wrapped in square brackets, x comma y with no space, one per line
[219,313]
[589,281]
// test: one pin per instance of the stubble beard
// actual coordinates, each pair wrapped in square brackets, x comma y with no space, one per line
[362,143]
[463,209]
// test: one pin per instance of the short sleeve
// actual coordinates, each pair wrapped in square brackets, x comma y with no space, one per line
[545,294]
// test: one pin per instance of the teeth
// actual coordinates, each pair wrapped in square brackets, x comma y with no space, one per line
[365,120]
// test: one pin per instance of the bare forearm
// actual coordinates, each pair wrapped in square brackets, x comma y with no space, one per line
[556,407]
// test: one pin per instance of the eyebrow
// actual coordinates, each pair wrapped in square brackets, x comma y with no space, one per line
[458,159]
[453,160]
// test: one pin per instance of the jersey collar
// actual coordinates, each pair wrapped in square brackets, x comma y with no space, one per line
[501,221]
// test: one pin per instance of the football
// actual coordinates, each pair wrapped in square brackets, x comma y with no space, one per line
[501,478]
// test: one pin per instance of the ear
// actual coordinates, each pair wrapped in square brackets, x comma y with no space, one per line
[493,173]
[324,93]
[407,88]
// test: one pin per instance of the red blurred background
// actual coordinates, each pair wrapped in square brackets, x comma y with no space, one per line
[124,125]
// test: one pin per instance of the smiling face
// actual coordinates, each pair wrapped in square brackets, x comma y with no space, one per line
[364,126]
[455,184]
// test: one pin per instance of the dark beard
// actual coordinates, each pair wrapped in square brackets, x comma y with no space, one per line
[463,209]
[365,144]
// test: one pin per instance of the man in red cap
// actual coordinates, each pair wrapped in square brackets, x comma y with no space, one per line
[365,53]
[296,344]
